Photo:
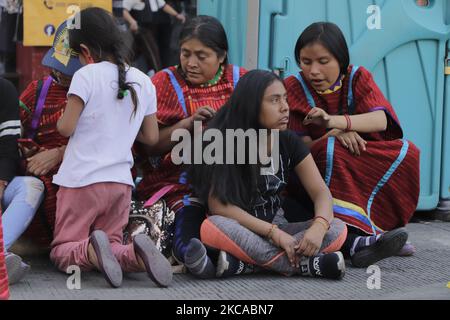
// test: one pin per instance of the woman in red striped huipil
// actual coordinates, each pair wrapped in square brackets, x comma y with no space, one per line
[53,92]
[357,142]
[47,161]
[193,91]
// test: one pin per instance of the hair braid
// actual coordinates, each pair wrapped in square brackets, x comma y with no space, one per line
[124,86]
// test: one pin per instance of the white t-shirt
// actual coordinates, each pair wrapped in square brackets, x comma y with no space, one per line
[100,148]
[11,6]
[139,5]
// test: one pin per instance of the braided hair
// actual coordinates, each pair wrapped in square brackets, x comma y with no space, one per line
[100,33]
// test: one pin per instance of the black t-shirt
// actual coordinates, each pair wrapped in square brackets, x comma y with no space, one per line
[9,130]
[268,202]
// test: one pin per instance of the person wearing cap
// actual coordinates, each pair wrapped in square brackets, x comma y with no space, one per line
[42,104]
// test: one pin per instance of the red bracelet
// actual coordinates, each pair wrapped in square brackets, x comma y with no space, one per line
[319,217]
[349,123]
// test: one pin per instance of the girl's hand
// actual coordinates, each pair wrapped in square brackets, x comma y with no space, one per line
[286,242]
[318,117]
[353,142]
[44,162]
[312,241]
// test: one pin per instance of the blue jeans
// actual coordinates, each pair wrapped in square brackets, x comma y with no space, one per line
[21,200]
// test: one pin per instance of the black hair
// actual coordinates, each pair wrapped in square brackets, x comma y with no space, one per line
[100,33]
[234,184]
[331,37]
[209,31]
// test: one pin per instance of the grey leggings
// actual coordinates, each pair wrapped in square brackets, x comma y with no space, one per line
[228,235]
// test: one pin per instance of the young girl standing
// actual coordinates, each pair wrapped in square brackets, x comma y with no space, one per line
[109,105]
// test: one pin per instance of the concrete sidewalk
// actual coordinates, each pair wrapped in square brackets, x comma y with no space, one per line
[423,276]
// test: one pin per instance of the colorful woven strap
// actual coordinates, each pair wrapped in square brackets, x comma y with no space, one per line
[39,107]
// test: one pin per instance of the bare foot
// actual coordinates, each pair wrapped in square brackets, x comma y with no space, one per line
[141,263]
[93,256]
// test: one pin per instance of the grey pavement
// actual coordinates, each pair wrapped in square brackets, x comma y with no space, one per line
[425,276]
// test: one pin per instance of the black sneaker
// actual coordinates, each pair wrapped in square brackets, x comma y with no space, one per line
[228,266]
[388,245]
[330,266]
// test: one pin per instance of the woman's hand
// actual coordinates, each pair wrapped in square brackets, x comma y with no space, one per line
[286,242]
[43,162]
[334,133]
[318,117]
[203,114]
[353,142]
[312,241]
[27,153]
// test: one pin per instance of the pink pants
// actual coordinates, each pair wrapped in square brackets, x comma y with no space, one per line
[79,212]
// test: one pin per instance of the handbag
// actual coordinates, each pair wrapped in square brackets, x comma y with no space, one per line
[154,219]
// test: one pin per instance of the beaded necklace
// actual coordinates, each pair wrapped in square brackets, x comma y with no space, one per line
[215,80]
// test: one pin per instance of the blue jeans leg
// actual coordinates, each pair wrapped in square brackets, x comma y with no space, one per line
[21,200]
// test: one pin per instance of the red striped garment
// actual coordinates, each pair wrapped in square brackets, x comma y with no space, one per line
[47,136]
[4,291]
[379,190]
[163,172]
